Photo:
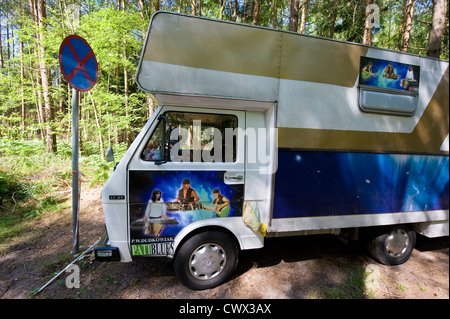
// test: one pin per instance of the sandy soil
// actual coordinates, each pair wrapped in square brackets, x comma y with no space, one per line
[309,267]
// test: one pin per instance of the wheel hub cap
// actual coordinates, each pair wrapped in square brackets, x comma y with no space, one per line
[396,243]
[207,261]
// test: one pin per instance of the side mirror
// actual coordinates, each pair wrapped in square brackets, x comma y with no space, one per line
[110,154]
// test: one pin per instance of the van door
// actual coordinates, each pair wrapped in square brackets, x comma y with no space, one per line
[189,167]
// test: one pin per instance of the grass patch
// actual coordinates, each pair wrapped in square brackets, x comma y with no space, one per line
[351,286]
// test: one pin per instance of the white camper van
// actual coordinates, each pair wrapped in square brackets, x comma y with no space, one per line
[262,133]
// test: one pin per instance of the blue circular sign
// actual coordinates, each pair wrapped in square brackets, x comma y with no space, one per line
[78,63]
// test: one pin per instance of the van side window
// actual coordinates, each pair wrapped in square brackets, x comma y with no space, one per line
[153,150]
[196,137]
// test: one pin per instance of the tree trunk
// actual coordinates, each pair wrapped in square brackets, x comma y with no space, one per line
[275,14]
[22,78]
[142,10]
[333,20]
[22,71]
[437,28]
[2,64]
[125,87]
[222,8]
[367,38]
[81,137]
[194,7]
[155,6]
[256,10]
[125,80]
[8,51]
[408,25]
[45,77]
[99,128]
[39,107]
[402,25]
[293,19]
[303,17]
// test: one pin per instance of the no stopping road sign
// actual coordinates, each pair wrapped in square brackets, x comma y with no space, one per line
[78,63]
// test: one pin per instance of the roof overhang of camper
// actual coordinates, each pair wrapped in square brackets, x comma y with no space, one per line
[189,55]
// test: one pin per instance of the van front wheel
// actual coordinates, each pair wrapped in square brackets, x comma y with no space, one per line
[206,260]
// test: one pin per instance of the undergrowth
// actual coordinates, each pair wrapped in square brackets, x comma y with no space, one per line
[34,183]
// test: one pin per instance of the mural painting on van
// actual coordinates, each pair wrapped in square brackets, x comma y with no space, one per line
[162,203]
[389,75]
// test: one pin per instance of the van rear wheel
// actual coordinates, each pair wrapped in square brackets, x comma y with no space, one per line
[393,246]
[206,260]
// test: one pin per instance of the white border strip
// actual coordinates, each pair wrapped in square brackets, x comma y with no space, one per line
[347,221]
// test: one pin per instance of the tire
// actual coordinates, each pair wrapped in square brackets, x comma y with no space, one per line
[393,246]
[206,260]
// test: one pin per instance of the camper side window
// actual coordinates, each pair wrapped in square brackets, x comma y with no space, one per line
[195,137]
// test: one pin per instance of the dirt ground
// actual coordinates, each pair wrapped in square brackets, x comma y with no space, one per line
[309,267]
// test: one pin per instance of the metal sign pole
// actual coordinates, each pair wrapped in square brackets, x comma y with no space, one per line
[75,173]
[80,69]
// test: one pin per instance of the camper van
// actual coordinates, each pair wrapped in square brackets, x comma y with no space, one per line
[262,133]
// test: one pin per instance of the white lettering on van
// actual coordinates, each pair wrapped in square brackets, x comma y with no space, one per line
[210,146]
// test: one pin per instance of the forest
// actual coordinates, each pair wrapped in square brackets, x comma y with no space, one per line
[35,100]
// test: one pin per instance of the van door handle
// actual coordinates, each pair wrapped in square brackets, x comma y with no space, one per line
[235,178]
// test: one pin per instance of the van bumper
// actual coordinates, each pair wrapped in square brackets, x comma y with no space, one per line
[105,252]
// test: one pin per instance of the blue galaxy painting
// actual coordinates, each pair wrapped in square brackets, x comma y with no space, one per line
[309,184]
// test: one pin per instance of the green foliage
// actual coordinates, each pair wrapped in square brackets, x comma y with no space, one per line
[95,168]
[115,103]
[34,183]
[11,189]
